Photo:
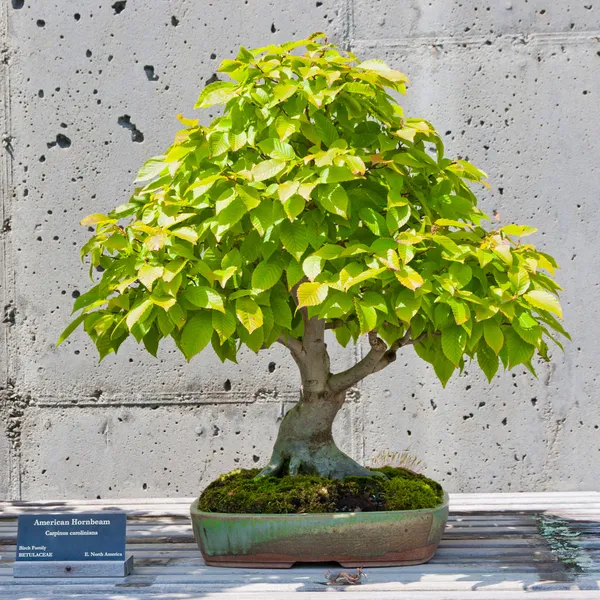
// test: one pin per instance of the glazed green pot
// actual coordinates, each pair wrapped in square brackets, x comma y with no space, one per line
[376,539]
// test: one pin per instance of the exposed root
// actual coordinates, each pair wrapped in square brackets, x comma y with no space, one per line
[325,460]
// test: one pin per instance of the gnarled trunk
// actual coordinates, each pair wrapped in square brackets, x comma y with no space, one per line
[305,441]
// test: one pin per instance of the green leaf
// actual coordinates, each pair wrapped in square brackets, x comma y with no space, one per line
[70,328]
[342,335]
[218,92]
[379,67]
[218,143]
[518,230]
[488,361]
[503,251]
[312,293]
[230,215]
[373,220]
[204,297]
[186,233]
[139,313]
[461,274]
[294,206]
[96,219]
[282,91]
[266,275]
[262,217]
[460,310]
[249,313]
[325,129]
[151,169]
[313,266]
[406,252]
[337,305]
[396,217]
[362,89]
[519,351]
[519,279]
[196,334]
[165,324]
[285,127]
[151,340]
[336,175]
[407,305]
[367,317]
[356,164]
[492,333]
[443,368]
[282,312]
[333,198]
[545,301]
[287,189]
[454,341]
[528,329]
[376,300]
[275,148]
[237,140]
[294,238]
[294,273]
[267,169]
[329,251]
[224,324]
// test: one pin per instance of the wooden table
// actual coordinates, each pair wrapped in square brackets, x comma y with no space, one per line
[496,547]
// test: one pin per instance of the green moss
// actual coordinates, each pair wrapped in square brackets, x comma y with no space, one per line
[239,492]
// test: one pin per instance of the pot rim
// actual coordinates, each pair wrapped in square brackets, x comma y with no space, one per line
[194,511]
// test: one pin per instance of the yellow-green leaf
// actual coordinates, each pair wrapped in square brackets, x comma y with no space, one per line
[267,169]
[312,293]
[95,219]
[367,317]
[204,297]
[139,313]
[249,313]
[544,300]
[186,233]
[149,274]
[408,277]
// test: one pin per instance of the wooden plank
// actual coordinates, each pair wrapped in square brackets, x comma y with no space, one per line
[332,594]
[180,585]
[345,595]
[482,553]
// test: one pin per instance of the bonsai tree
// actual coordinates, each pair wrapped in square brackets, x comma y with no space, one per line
[311,204]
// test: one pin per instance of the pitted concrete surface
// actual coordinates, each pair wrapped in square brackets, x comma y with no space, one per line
[91,90]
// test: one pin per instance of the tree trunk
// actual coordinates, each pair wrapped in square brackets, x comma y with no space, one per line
[305,442]
[305,439]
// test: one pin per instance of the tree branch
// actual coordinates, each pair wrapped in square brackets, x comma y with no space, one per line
[334,324]
[390,356]
[346,379]
[290,342]
[379,357]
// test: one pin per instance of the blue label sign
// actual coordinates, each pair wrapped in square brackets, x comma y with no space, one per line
[70,537]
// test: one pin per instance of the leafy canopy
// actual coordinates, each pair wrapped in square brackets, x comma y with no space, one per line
[314,183]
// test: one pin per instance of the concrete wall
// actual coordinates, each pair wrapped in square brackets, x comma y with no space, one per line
[91,89]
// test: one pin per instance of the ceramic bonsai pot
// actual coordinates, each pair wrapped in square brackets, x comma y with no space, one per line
[374,539]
